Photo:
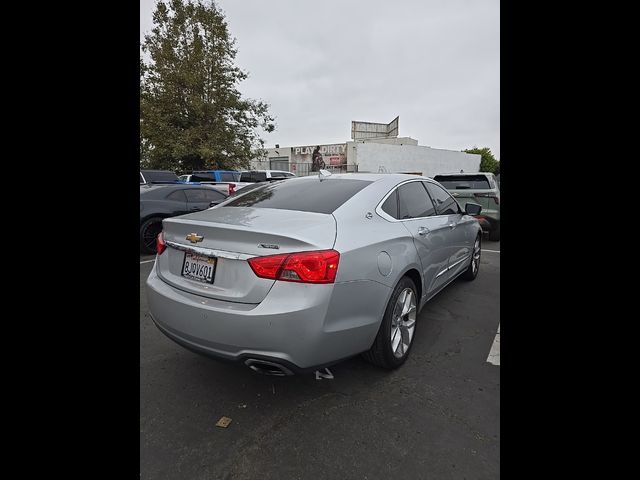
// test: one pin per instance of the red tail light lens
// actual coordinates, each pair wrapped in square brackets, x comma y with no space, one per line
[232,188]
[160,245]
[303,267]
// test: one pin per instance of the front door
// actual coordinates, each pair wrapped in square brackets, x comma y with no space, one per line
[430,233]
[449,211]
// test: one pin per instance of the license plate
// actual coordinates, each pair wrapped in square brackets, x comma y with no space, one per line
[198,267]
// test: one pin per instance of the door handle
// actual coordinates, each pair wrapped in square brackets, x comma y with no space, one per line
[423,231]
[452,226]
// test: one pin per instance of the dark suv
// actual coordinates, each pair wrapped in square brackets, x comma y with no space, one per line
[157,176]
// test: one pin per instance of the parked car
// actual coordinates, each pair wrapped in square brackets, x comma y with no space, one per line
[158,202]
[303,273]
[482,188]
[157,176]
[226,181]
[253,176]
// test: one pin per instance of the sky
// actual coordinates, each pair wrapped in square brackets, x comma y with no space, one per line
[321,64]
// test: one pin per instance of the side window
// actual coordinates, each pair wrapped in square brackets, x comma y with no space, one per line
[260,176]
[414,201]
[211,195]
[390,205]
[245,177]
[445,203]
[277,175]
[196,195]
[177,196]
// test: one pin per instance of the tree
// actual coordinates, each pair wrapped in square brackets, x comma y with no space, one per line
[488,163]
[192,115]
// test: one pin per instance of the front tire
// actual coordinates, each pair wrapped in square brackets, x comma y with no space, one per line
[474,266]
[395,337]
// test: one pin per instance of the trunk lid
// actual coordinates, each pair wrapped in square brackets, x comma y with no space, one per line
[233,234]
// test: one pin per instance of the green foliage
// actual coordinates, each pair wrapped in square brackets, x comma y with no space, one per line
[488,163]
[191,114]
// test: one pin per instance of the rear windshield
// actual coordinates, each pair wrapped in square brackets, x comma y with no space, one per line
[308,195]
[202,177]
[159,176]
[461,182]
[229,177]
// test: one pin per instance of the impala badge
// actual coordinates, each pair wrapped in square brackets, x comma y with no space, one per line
[194,237]
[269,245]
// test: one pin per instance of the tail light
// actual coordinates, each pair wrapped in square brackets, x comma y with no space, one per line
[304,267]
[232,188]
[160,245]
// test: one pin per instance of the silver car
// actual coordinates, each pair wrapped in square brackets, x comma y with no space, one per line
[302,273]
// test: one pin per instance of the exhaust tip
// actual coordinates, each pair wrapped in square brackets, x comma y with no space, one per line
[267,368]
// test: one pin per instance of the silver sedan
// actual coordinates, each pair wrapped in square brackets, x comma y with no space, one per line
[300,274]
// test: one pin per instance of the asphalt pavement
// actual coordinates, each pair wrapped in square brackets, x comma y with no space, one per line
[437,417]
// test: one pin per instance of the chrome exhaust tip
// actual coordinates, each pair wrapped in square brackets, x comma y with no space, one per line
[267,368]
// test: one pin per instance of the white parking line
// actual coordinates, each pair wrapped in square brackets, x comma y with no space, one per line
[147,261]
[494,353]
[492,251]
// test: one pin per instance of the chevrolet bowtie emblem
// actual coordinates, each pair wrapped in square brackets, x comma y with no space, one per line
[194,237]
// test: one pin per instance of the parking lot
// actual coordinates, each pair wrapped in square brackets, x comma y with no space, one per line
[436,417]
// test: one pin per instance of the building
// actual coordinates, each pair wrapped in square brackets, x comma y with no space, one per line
[374,147]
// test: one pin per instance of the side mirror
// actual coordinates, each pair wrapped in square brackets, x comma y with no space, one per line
[472,208]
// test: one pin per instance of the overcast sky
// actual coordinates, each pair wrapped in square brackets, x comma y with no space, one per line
[321,64]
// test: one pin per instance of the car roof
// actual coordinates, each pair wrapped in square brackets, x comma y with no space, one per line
[462,174]
[157,186]
[374,177]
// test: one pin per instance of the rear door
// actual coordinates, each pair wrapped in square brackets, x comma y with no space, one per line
[200,198]
[458,241]
[176,203]
[430,234]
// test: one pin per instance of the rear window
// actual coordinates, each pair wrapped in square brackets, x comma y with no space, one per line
[229,177]
[310,195]
[160,176]
[462,182]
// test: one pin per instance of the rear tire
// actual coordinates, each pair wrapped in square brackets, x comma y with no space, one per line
[474,266]
[149,230]
[397,330]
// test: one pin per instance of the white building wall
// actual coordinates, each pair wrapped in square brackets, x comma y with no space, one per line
[264,163]
[373,157]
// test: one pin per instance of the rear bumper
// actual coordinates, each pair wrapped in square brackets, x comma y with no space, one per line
[296,325]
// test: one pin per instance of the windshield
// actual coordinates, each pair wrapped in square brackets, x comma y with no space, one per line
[461,182]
